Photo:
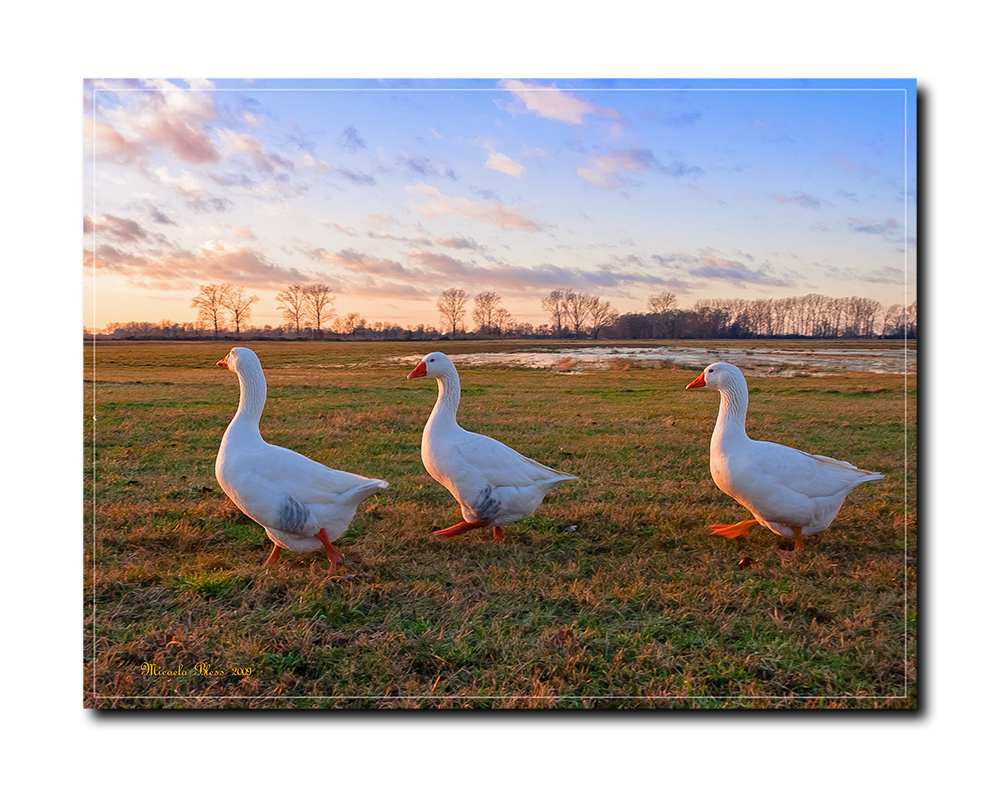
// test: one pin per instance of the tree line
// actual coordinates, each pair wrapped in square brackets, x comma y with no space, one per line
[308,313]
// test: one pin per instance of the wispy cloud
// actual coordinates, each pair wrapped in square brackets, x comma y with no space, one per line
[109,144]
[612,170]
[886,274]
[504,164]
[425,273]
[351,140]
[160,217]
[441,205]
[733,272]
[164,116]
[425,167]
[355,177]
[185,184]
[888,229]
[552,103]
[123,230]
[244,233]
[805,200]
[457,242]
[182,269]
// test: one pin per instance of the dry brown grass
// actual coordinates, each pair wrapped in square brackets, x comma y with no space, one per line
[613,595]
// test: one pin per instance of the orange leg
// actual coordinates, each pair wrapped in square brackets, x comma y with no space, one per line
[732,531]
[799,543]
[461,527]
[334,556]
[272,559]
[498,535]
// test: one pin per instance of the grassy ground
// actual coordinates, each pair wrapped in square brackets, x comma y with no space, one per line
[639,606]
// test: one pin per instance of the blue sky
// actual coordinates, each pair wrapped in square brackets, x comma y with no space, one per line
[392,191]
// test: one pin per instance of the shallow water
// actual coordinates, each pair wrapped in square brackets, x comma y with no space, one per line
[820,362]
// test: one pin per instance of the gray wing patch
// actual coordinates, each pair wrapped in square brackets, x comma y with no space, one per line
[293,515]
[486,506]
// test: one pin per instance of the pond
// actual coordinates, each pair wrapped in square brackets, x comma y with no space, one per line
[819,362]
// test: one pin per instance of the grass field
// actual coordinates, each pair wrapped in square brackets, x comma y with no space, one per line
[638,607]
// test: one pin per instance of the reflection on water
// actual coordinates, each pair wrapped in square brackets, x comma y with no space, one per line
[758,363]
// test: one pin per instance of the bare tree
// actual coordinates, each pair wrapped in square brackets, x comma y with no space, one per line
[211,304]
[662,303]
[451,305]
[911,320]
[484,310]
[352,323]
[238,303]
[555,303]
[293,306]
[504,321]
[602,314]
[893,320]
[576,307]
[319,304]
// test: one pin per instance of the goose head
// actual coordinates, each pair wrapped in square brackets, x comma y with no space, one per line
[718,375]
[433,364]
[240,359]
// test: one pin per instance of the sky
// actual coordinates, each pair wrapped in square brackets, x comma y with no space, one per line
[393,191]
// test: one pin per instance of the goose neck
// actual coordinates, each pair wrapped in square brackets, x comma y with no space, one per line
[449,395]
[733,405]
[253,395]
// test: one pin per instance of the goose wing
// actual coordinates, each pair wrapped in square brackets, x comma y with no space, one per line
[289,474]
[500,465]
[812,475]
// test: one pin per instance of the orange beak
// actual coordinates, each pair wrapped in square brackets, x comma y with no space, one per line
[698,382]
[223,363]
[420,371]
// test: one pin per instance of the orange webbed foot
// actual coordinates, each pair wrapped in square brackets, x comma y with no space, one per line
[335,557]
[498,535]
[732,531]
[461,527]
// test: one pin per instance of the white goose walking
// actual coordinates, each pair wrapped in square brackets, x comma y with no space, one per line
[492,483]
[302,505]
[790,492]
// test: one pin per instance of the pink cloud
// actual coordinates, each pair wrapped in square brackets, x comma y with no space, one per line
[215,261]
[108,144]
[806,200]
[843,162]
[505,164]
[351,260]
[734,272]
[552,103]
[187,142]
[125,230]
[441,205]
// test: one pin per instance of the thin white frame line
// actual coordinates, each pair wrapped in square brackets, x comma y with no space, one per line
[903,90]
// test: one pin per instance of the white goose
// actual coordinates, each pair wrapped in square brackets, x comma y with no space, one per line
[492,483]
[302,504]
[790,492]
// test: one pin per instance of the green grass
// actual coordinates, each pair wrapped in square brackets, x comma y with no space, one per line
[639,606]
